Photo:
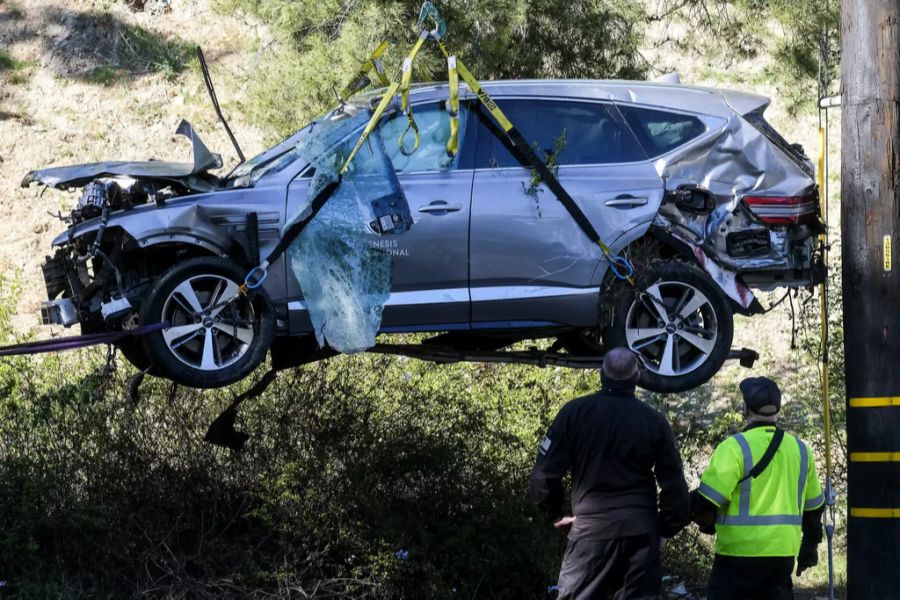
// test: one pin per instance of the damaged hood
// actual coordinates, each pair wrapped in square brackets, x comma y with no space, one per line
[81,175]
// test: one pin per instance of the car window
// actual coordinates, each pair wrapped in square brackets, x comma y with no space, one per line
[433,122]
[576,133]
[660,131]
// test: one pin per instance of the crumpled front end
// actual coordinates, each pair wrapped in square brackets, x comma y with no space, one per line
[86,278]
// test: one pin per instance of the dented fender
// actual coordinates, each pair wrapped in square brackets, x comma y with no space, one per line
[726,279]
[214,222]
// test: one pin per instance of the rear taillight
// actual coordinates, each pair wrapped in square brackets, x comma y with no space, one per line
[784,210]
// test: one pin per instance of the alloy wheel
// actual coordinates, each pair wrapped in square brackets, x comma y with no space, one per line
[207,332]
[672,326]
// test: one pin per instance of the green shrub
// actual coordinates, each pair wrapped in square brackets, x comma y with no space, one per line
[320,46]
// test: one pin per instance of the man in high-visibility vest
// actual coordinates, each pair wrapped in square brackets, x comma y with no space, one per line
[762,493]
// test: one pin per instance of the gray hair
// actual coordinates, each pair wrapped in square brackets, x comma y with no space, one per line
[620,364]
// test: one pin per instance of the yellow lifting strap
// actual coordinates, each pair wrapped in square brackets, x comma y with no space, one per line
[405,81]
[620,266]
[362,80]
[379,110]
[476,89]
[453,107]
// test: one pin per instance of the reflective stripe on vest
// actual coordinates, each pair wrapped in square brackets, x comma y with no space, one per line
[744,518]
[711,493]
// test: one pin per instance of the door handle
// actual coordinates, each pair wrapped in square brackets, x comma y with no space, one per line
[626,201]
[440,206]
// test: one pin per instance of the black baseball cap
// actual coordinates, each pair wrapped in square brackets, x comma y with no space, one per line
[761,395]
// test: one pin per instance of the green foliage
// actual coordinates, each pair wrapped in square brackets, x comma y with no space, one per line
[551,159]
[155,53]
[15,72]
[104,75]
[7,62]
[322,44]
[350,462]
[115,51]
[793,32]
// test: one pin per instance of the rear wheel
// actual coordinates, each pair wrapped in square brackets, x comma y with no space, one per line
[678,323]
[211,340]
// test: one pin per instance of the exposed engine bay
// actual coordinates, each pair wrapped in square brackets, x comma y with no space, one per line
[84,278]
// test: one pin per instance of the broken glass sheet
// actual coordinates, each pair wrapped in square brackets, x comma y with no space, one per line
[344,277]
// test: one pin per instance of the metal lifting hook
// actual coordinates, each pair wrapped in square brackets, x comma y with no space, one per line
[430,11]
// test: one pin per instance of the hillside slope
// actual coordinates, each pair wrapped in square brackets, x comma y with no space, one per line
[87,81]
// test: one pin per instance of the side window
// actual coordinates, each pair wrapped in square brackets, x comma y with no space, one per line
[660,131]
[578,133]
[433,122]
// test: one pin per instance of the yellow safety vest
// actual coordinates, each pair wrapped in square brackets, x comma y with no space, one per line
[761,516]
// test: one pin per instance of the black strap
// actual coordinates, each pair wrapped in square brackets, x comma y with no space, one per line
[318,202]
[767,457]
[222,432]
[525,153]
[522,151]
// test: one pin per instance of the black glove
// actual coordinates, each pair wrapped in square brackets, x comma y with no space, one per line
[808,557]
[703,513]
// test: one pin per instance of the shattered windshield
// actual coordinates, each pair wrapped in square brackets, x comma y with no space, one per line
[282,155]
[344,277]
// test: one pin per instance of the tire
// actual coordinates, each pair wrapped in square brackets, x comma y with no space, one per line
[689,346]
[215,345]
[132,348]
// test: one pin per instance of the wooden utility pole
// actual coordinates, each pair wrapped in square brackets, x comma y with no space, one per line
[870,230]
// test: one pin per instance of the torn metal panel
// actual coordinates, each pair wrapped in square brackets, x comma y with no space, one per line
[731,164]
[737,160]
[728,280]
[184,173]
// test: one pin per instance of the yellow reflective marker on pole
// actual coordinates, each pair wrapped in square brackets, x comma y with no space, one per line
[887,254]
[874,402]
[875,457]
[876,513]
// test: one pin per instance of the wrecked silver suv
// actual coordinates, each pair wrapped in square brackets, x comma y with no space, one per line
[691,184]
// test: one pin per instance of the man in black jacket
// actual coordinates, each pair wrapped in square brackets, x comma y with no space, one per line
[617,449]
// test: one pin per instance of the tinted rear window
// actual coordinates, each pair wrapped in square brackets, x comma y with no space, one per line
[660,131]
[583,133]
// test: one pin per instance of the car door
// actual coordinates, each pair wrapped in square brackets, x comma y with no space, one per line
[531,264]
[430,289]
[430,272]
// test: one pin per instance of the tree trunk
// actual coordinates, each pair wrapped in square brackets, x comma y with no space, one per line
[870,223]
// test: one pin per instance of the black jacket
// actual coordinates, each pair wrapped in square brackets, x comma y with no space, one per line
[617,449]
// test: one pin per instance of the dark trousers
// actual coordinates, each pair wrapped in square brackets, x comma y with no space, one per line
[625,568]
[751,578]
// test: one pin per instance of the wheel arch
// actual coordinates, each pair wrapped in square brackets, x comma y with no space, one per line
[738,295]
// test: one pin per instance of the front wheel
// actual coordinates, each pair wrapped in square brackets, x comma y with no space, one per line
[211,340]
[679,324]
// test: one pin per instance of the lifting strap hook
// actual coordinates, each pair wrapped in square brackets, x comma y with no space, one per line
[256,276]
[621,267]
[430,11]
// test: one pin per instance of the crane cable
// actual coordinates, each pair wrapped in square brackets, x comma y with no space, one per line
[822,176]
